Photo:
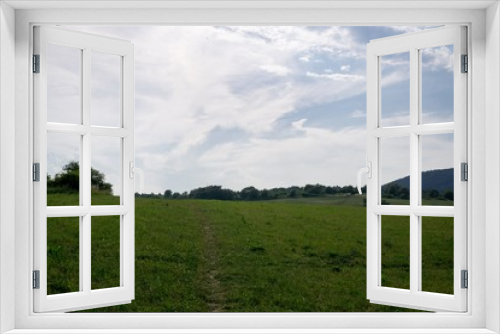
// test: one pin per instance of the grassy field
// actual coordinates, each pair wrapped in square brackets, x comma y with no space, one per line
[300,255]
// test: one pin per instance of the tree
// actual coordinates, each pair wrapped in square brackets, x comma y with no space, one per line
[98,182]
[250,194]
[434,193]
[264,194]
[314,190]
[212,192]
[348,190]
[167,193]
[448,194]
[68,180]
[404,193]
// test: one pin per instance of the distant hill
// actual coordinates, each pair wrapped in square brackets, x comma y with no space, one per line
[439,179]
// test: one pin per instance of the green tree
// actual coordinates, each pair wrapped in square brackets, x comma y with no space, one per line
[250,194]
[433,193]
[98,182]
[448,194]
[68,180]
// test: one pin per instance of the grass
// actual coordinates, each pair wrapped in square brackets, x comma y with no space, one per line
[270,256]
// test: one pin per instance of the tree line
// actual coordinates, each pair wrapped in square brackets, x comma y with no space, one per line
[394,190]
[389,191]
[253,194]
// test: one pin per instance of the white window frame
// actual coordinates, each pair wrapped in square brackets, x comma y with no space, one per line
[86,297]
[483,315]
[413,43]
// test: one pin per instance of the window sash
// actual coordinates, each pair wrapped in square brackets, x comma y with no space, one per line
[414,298]
[86,297]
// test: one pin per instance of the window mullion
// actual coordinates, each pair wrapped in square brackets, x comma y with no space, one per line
[415,263]
[85,187]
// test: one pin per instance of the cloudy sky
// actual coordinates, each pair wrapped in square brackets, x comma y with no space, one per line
[262,106]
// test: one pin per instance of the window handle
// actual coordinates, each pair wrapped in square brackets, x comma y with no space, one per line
[132,171]
[368,171]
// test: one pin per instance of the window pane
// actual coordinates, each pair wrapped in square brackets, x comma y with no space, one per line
[395,89]
[437,169]
[105,260]
[395,170]
[437,84]
[106,90]
[437,254]
[63,169]
[396,251]
[106,170]
[63,255]
[63,84]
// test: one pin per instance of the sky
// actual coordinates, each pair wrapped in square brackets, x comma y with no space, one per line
[249,106]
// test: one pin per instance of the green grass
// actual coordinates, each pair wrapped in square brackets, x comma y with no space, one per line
[269,256]
[63,255]
[396,251]
[105,252]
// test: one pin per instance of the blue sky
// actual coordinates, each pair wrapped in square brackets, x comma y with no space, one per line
[261,106]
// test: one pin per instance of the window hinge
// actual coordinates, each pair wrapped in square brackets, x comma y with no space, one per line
[465,64]
[36,63]
[36,279]
[36,172]
[464,169]
[465,279]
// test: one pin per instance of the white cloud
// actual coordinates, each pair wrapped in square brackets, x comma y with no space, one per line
[335,40]
[315,156]
[305,59]
[437,151]
[345,68]
[197,79]
[394,77]
[438,58]
[337,76]
[276,69]
[358,113]
[399,119]
[299,125]
[408,29]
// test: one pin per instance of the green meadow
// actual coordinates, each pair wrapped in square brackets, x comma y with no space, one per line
[293,255]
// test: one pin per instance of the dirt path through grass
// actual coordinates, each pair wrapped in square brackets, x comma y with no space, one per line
[216,295]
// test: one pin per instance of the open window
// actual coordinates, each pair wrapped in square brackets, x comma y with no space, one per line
[421,140]
[69,132]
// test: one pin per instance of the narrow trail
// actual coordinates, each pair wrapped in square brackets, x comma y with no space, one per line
[216,295]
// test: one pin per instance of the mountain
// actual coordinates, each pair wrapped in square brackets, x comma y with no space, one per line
[439,179]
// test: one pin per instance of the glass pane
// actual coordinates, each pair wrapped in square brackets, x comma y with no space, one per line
[395,170]
[63,255]
[396,251]
[63,169]
[106,170]
[437,84]
[105,260]
[106,90]
[437,254]
[437,169]
[63,84]
[395,89]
